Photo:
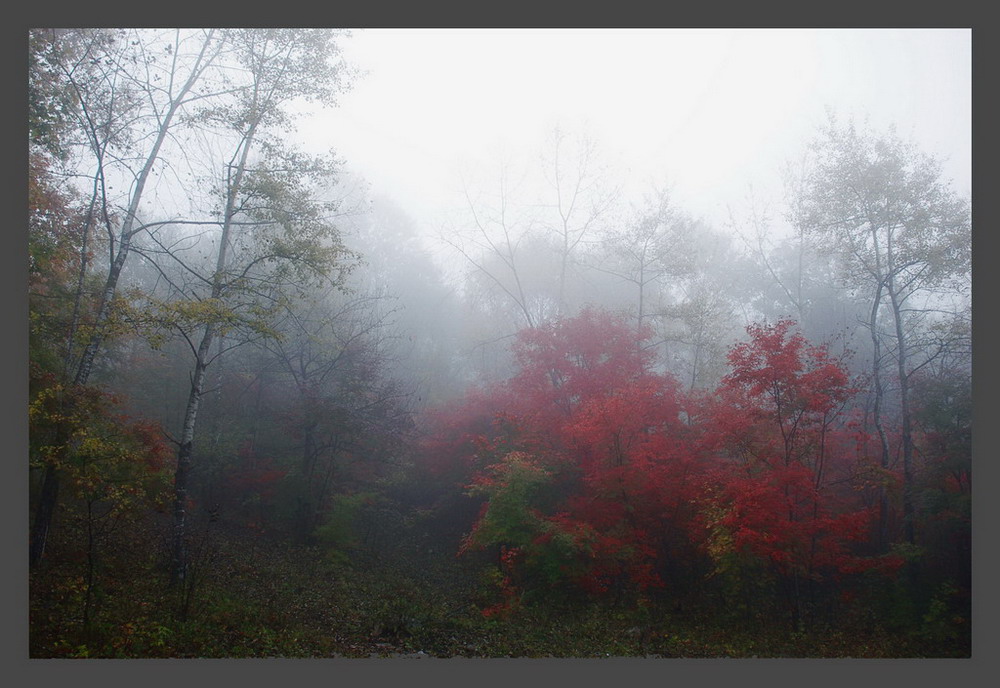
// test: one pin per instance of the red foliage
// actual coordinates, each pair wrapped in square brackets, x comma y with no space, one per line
[586,405]
[255,476]
[762,468]
[779,415]
[566,362]
[780,395]
[456,433]
[149,436]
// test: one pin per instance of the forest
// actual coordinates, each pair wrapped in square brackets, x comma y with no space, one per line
[269,416]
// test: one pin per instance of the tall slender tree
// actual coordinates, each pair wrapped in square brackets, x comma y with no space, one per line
[114,98]
[903,237]
[581,197]
[656,243]
[275,235]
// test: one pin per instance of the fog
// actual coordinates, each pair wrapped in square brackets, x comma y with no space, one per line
[478,135]
[498,343]
[713,113]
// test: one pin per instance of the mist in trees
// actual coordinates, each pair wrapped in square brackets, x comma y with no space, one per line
[273,415]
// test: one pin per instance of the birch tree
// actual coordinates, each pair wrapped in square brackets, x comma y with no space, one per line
[117,97]
[274,235]
[903,239]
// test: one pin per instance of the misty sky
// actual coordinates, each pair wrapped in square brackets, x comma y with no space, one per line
[709,112]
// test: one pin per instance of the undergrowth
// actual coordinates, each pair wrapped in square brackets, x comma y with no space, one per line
[265,598]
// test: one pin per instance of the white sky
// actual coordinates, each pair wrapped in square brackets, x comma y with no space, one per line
[710,111]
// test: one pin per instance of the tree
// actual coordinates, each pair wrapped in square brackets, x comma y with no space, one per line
[784,497]
[55,245]
[117,96]
[779,380]
[564,363]
[114,467]
[903,238]
[274,235]
[523,249]
[791,277]
[654,244]
[493,246]
[582,200]
[700,316]
[165,86]
[55,298]
[335,352]
[422,344]
[581,456]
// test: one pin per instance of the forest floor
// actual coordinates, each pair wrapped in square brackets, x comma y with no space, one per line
[255,596]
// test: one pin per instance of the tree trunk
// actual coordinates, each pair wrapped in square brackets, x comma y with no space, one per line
[185,453]
[905,420]
[185,462]
[883,498]
[43,515]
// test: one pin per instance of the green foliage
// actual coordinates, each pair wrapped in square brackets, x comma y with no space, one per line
[155,318]
[945,624]
[561,554]
[339,531]
[509,517]
[106,457]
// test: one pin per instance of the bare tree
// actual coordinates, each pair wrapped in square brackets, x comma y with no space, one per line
[335,350]
[583,198]
[492,241]
[655,244]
